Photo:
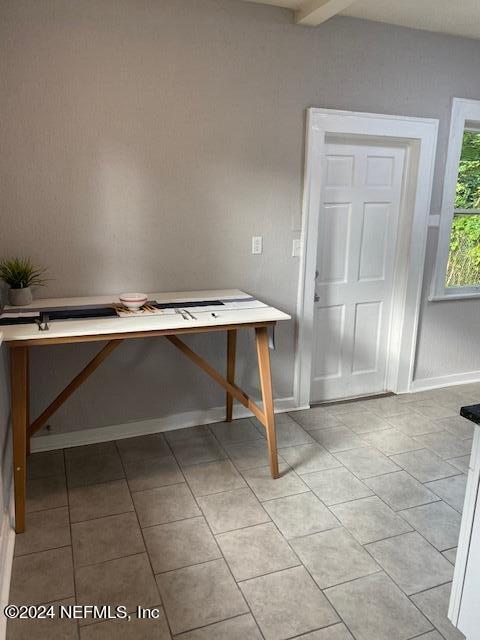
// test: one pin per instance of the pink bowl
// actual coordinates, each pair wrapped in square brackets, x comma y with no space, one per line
[133,301]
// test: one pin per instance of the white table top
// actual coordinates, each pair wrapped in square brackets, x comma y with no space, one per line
[233,312]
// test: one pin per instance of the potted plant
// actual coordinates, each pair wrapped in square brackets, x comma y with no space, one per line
[20,274]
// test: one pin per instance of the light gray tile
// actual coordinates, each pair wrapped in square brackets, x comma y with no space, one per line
[333,557]
[234,432]
[432,635]
[44,530]
[164,504]
[306,458]
[407,398]
[434,604]
[289,433]
[400,491]
[180,544]
[338,439]
[451,490]
[342,408]
[232,510]
[46,493]
[366,462]
[461,463]
[375,609]
[369,519]
[44,628]
[149,447]
[239,628]
[336,485]
[451,555]
[444,444]
[428,395]
[200,595]
[93,463]
[287,603]
[106,538]
[125,581]
[300,515]
[385,407]
[391,441]
[45,576]
[248,455]
[197,449]
[411,562]
[434,410]
[149,474]
[424,465]
[334,632]
[414,424]
[364,421]
[315,418]
[470,389]
[98,500]
[458,426]
[256,550]
[267,488]
[437,522]
[175,435]
[212,477]
[45,464]
[133,629]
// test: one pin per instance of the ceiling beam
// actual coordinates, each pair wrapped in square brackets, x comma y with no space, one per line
[314,12]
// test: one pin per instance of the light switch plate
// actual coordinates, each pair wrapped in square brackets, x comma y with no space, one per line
[296,248]
[257,244]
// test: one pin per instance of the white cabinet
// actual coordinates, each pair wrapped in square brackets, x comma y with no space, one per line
[464,611]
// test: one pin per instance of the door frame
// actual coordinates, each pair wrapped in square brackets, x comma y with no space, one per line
[419,136]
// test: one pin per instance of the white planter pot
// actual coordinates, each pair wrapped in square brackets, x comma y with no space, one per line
[20,297]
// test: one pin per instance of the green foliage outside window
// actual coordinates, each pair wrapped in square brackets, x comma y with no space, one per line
[464,258]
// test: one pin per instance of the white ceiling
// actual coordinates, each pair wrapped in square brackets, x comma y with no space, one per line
[456,17]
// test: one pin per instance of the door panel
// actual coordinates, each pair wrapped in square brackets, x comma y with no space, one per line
[333,262]
[328,358]
[339,171]
[373,247]
[366,337]
[357,236]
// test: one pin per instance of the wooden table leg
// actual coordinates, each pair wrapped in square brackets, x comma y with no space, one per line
[263,353]
[28,403]
[231,351]
[18,373]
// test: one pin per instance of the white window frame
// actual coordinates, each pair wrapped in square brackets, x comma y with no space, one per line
[465,116]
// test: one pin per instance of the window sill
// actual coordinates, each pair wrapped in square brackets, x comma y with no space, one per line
[454,296]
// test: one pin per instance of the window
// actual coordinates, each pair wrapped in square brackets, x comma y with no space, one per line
[457,272]
[463,267]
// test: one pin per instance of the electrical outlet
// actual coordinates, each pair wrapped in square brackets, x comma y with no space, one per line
[257,244]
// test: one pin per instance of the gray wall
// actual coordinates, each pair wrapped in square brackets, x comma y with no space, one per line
[145,142]
[5,438]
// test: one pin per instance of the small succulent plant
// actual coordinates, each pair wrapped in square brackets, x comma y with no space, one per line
[20,273]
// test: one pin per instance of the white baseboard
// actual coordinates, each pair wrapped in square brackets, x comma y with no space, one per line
[425,384]
[80,437]
[7,545]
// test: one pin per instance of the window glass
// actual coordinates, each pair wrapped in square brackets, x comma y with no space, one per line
[463,267]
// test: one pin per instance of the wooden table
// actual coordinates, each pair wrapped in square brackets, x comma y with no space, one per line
[238,311]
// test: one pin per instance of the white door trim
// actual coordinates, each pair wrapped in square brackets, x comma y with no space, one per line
[420,138]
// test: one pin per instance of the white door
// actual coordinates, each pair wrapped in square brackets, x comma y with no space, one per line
[357,237]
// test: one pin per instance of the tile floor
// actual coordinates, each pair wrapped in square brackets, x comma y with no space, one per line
[355,540]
